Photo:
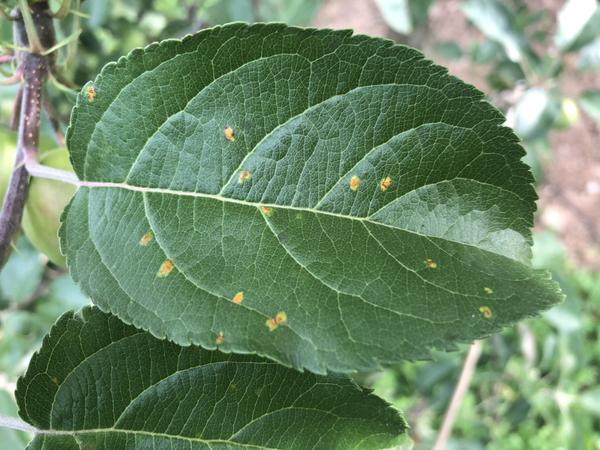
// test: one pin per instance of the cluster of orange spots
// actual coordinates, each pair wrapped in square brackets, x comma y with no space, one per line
[488,290]
[267,211]
[90,93]
[220,339]
[146,239]
[485,311]
[165,268]
[245,176]
[279,319]
[430,264]
[385,183]
[229,134]
[238,298]
[354,183]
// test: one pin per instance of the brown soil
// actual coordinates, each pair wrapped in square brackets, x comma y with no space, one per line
[570,195]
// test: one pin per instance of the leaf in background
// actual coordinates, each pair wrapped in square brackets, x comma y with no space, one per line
[276,185]
[223,11]
[589,56]
[104,384]
[497,22]
[448,49]
[578,24]
[22,274]
[535,113]
[292,12]
[403,16]
[590,102]
[10,439]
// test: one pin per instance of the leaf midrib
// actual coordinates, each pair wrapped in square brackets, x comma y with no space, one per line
[367,219]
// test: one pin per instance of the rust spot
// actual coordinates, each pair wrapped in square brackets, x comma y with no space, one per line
[146,239]
[238,298]
[165,268]
[229,134]
[354,183]
[267,211]
[430,264]
[91,93]
[488,290]
[220,339]
[55,380]
[385,184]
[485,311]
[279,319]
[245,176]
[271,324]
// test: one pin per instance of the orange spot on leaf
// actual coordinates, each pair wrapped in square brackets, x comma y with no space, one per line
[279,319]
[430,264]
[229,134]
[266,211]
[220,339]
[245,176]
[238,298]
[146,238]
[354,183]
[91,93]
[271,324]
[486,312]
[165,268]
[385,183]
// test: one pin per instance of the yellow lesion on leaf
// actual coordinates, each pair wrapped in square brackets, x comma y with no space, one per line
[430,263]
[165,268]
[385,183]
[55,380]
[279,319]
[146,238]
[354,183]
[486,312]
[91,93]
[267,211]
[220,338]
[229,134]
[245,176]
[488,290]
[238,298]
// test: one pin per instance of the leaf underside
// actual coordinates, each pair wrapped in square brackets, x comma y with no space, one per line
[333,202]
[98,383]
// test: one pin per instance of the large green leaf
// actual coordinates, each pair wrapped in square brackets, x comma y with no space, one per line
[98,383]
[330,201]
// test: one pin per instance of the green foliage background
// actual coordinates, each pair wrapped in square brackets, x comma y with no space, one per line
[536,385]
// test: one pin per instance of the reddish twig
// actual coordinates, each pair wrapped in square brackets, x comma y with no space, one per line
[34,68]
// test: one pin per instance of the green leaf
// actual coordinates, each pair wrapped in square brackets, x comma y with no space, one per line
[578,24]
[403,16]
[98,383]
[293,12]
[186,233]
[590,102]
[496,21]
[21,275]
[535,113]
[589,57]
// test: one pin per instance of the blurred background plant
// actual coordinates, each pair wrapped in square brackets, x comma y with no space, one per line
[536,386]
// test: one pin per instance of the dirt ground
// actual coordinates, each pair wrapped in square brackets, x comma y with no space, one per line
[570,195]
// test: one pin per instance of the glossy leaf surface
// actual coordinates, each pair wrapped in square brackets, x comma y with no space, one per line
[333,202]
[100,384]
